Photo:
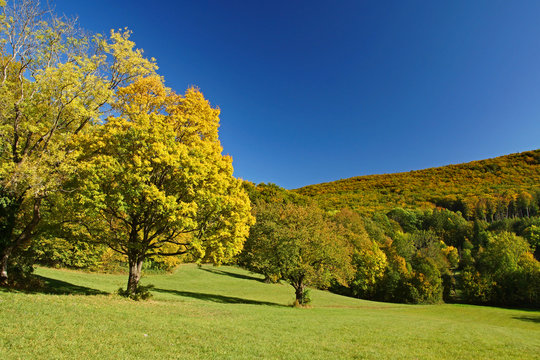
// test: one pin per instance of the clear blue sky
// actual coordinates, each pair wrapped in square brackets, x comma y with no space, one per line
[315,91]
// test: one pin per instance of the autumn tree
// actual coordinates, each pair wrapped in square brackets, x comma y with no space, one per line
[532,235]
[54,82]
[254,256]
[371,264]
[261,242]
[506,273]
[153,181]
[369,261]
[300,245]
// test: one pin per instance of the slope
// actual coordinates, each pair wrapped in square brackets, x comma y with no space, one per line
[227,313]
[458,187]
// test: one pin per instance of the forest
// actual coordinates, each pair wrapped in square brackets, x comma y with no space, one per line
[105,168]
[489,189]
[419,255]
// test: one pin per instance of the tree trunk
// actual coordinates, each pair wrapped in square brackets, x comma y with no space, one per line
[22,240]
[300,292]
[135,269]
[3,265]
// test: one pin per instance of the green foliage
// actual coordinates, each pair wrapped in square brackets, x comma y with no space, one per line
[507,273]
[142,292]
[404,245]
[298,244]
[408,220]
[21,268]
[502,254]
[449,226]
[370,263]
[355,226]
[271,193]
[368,259]
[425,286]
[304,299]
[532,234]
[477,288]
[61,252]
[262,242]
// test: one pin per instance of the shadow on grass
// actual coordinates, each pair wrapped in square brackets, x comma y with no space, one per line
[59,287]
[231,274]
[535,319]
[216,298]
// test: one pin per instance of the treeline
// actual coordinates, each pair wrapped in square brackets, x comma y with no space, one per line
[489,189]
[411,256]
[494,207]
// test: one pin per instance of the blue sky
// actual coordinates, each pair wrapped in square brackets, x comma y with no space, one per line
[315,91]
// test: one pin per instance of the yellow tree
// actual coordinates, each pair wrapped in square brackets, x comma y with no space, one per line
[153,181]
[54,82]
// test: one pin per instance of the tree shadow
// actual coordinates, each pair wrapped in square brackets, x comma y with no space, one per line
[59,287]
[231,274]
[535,319]
[216,298]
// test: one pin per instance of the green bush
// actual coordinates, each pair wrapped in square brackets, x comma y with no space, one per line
[141,293]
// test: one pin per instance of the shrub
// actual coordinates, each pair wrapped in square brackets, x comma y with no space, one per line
[142,292]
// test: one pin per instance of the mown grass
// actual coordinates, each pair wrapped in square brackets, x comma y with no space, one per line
[227,313]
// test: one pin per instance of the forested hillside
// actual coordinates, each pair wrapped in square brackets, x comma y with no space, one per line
[489,189]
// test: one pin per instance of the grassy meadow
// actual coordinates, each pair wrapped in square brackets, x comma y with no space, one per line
[227,313]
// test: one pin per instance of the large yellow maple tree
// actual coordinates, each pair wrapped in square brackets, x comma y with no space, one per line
[153,181]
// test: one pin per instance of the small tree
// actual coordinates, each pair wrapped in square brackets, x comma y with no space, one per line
[371,264]
[508,272]
[153,182]
[300,245]
[532,235]
[261,242]
[369,260]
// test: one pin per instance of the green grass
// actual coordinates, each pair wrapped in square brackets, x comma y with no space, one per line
[227,313]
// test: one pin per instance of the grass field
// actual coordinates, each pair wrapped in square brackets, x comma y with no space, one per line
[227,313]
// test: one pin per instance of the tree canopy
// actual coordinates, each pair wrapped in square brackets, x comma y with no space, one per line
[300,245]
[152,180]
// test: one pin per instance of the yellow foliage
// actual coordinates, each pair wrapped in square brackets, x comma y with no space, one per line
[155,172]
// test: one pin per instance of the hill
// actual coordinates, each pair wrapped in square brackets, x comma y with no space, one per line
[483,188]
[227,313]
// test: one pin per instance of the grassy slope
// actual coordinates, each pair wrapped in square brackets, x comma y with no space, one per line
[514,172]
[227,313]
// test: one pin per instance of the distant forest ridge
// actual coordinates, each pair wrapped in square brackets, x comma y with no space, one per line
[491,189]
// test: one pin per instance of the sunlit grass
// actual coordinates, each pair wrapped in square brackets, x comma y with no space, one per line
[227,313]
